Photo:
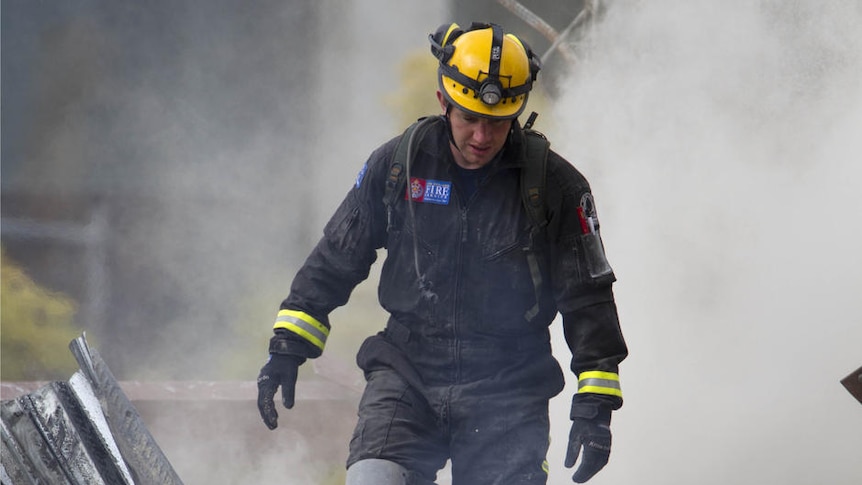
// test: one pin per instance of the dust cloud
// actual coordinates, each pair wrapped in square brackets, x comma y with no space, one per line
[722,142]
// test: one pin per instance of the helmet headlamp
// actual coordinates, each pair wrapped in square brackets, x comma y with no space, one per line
[490,93]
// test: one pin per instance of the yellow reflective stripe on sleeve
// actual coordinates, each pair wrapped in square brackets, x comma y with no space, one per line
[304,325]
[599,382]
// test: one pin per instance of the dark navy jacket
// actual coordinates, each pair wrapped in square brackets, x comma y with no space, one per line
[456,279]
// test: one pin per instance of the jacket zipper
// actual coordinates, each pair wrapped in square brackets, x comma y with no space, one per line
[457,300]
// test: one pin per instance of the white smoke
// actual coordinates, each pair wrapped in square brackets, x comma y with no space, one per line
[722,143]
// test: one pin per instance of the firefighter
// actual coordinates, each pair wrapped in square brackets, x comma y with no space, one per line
[463,370]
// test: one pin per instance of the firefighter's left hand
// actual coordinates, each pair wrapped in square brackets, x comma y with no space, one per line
[594,436]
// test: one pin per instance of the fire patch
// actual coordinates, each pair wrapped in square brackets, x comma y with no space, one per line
[430,191]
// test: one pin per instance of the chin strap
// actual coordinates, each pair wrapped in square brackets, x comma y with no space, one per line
[449,127]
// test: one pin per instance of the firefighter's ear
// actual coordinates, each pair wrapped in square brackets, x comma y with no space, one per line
[444,103]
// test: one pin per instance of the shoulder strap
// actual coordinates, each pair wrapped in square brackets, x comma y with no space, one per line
[534,177]
[533,186]
[399,169]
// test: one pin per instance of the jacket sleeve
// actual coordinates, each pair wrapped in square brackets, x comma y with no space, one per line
[594,337]
[340,260]
[583,282]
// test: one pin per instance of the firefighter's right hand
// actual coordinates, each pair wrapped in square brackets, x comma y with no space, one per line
[280,370]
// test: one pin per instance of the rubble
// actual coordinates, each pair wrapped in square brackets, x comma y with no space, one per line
[81,432]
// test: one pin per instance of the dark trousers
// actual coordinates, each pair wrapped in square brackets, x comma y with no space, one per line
[494,435]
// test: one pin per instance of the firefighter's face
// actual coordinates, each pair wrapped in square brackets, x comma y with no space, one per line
[477,139]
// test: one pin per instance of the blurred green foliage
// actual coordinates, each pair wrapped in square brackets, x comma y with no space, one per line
[417,87]
[36,326]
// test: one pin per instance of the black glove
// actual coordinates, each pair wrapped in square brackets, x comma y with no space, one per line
[280,370]
[594,435]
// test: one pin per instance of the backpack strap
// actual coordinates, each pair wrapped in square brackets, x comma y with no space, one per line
[534,177]
[533,195]
[399,166]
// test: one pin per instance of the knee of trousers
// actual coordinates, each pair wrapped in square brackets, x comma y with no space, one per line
[374,471]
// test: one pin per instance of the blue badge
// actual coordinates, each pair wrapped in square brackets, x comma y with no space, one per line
[361,175]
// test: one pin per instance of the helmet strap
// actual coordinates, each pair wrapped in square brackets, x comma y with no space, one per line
[476,86]
[449,126]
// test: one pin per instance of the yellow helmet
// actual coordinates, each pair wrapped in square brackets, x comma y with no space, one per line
[484,71]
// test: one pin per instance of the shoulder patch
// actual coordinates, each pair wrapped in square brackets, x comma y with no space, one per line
[361,174]
[588,215]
